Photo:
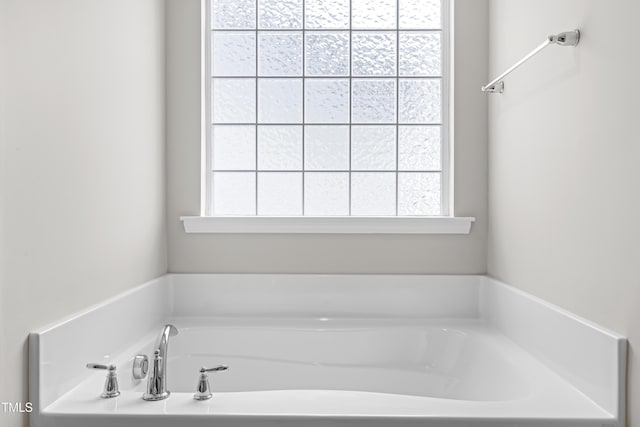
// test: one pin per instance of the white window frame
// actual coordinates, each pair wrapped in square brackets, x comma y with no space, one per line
[443,224]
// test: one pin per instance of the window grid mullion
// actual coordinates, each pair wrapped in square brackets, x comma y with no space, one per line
[324,124]
[329,170]
[397,98]
[365,30]
[304,69]
[257,74]
[329,77]
[350,96]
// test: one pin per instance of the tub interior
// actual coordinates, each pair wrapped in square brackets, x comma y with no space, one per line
[417,360]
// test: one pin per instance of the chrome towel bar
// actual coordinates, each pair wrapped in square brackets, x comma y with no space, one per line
[569,38]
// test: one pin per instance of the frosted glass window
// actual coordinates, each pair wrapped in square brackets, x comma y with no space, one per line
[234,14]
[373,14]
[279,193]
[235,53]
[329,14]
[326,148]
[279,14]
[327,53]
[420,101]
[373,148]
[234,148]
[420,54]
[235,193]
[280,100]
[420,14]
[373,193]
[328,107]
[374,101]
[327,101]
[280,54]
[374,53]
[418,194]
[280,147]
[326,193]
[234,100]
[419,148]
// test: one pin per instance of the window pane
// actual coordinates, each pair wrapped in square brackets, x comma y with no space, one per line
[326,148]
[280,54]
[327,101]
[332,14]
[234,53]
[234,147]
[280,147]
[418,193]
[420,101]
[419,148]
[231,14]
[420,14]
[279,193]
[234,100]
[420,54]
[326,193]
[374,101]
[280,14]
[373,148]
[280,100]
[373,193]
[374,54]
[375,14]
[235,193]
[327,53]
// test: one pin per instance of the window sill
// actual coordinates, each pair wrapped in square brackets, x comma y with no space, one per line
[328,225]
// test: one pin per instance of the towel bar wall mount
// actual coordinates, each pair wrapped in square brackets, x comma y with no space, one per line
[568,38]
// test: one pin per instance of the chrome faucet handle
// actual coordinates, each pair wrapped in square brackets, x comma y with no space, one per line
[214,369]
[111,383]
[140,366]
[203,391]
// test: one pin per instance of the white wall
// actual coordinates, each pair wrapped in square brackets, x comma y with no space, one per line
[82,140]
[564,162]
[3,108]
[324,253]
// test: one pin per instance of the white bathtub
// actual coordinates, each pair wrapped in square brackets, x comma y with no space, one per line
[395,360]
